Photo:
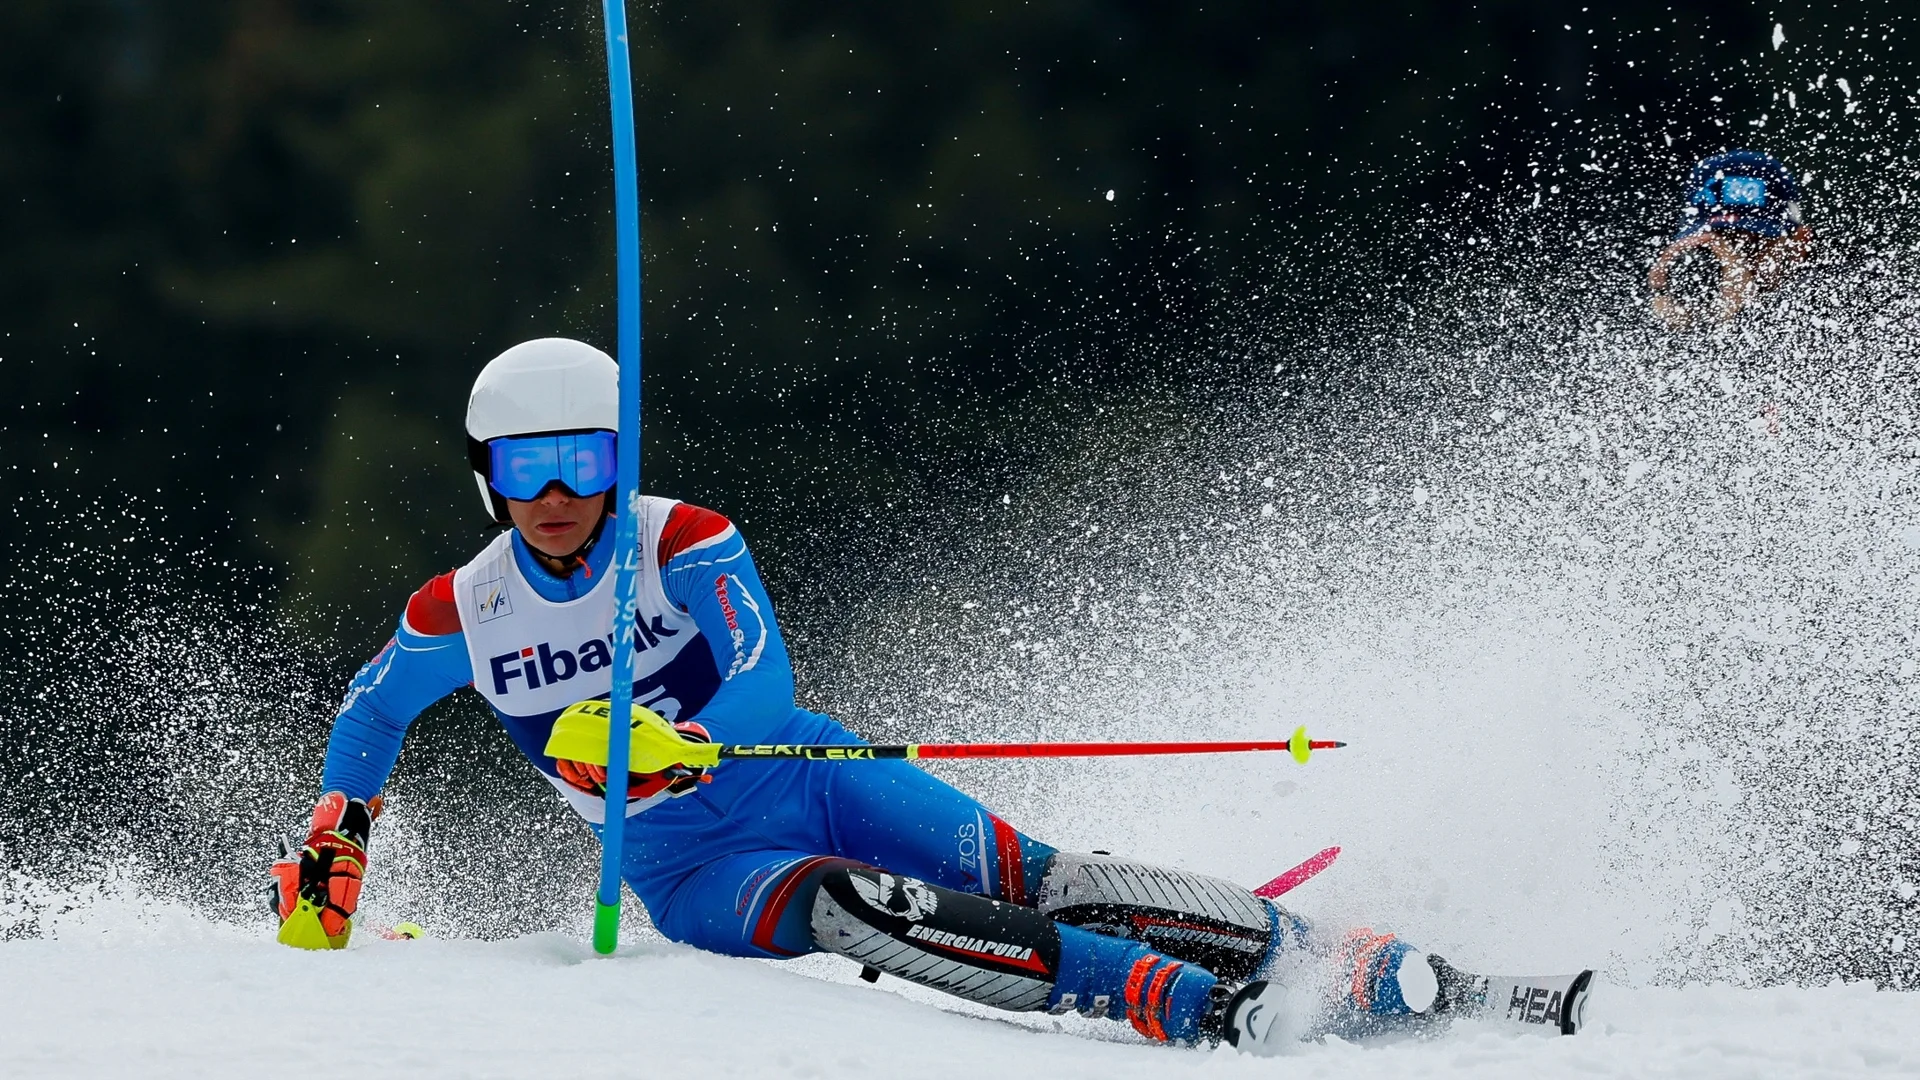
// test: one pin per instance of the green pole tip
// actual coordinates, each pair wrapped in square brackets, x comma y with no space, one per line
[606,927]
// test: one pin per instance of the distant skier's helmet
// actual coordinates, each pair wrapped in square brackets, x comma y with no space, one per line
[548,387]
[1741,190]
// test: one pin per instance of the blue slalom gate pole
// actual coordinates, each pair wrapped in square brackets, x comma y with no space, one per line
[626,531]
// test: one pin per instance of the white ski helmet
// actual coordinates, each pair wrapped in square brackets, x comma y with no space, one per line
[539,386]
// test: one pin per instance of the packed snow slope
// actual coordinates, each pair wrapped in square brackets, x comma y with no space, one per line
[181,998]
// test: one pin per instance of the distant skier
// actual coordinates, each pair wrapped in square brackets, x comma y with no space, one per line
[1741,234]
[878,861]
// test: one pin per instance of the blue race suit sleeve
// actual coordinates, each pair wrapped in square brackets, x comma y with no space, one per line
[412,672]
[717,584]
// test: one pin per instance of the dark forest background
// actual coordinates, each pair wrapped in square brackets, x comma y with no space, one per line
[253,251]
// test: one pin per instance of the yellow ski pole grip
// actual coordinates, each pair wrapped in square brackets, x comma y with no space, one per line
[580,734]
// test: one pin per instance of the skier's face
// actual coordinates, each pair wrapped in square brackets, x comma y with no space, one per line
[1745,265]
[556,523]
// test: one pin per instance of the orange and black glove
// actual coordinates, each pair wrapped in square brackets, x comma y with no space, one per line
[316,884]
[673,780]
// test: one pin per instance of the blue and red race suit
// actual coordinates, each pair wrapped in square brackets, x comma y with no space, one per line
[726,867]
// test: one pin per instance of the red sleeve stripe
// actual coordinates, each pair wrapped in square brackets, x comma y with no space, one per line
[432,611]
[690,527]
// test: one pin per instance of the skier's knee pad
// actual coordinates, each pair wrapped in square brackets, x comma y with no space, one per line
[1203,920]
[979,949]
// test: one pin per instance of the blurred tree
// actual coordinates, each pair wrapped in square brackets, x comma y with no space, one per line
[255,249]
[393,506]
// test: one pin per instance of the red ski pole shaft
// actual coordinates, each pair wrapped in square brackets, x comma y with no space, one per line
[1099,749]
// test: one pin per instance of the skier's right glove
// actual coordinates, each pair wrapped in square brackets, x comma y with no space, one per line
[316,886]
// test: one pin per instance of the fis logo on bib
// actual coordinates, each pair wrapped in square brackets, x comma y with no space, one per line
[543,665]
[490,600]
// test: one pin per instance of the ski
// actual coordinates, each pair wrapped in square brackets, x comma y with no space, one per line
[1431,994]
[1555,1002]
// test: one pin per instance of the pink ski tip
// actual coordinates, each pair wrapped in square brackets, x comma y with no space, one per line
[1297,876]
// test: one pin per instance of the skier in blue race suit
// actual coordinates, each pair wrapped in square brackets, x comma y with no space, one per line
[877,861]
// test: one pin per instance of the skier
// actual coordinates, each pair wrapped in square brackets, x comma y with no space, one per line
[1741,234]
[876,861]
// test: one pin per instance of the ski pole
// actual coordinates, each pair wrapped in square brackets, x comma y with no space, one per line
[581,733]
[1299,746]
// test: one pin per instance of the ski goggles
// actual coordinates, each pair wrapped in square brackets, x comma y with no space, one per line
[520,467]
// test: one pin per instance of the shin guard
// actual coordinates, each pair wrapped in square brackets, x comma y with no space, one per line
[969,946]
[1202,920]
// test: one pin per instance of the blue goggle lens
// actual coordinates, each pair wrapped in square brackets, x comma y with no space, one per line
[1743,191]
[1732,191]
[522,467]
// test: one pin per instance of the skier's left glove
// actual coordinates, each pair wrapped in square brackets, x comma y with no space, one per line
[316,885]
[673,780]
